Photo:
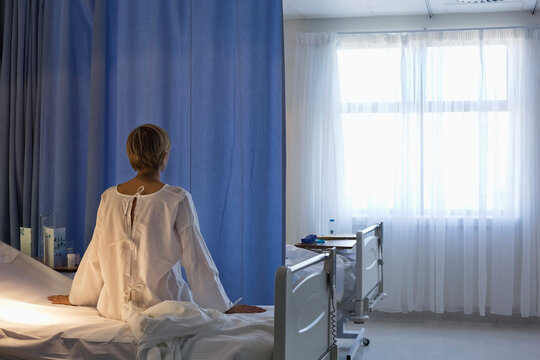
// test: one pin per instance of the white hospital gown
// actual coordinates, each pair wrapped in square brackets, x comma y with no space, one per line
[142,263]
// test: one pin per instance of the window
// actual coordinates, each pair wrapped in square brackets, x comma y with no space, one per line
[432,121]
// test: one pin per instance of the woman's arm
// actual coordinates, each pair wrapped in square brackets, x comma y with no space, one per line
[88,281]
[202,274]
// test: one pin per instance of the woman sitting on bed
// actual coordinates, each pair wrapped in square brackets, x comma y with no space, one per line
[145,232]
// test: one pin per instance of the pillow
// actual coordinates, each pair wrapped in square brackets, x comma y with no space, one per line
[7,253]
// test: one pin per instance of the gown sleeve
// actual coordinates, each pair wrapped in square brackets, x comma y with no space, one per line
[88,281]
[201,272]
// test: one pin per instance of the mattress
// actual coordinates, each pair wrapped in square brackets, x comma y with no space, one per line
[32,328]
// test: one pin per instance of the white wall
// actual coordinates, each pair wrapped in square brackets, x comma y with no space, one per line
[390,23]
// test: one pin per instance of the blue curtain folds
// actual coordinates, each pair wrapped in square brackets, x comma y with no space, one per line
[208,72]
[21,71]
[140,74]
[64,115]
[236,168]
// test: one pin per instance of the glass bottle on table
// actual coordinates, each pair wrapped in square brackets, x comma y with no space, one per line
[70,258]
[331,227]
[46,221]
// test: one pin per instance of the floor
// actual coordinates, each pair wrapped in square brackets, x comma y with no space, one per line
[430,336]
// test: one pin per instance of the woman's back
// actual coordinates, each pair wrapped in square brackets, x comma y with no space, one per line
[141,250]
[146,231]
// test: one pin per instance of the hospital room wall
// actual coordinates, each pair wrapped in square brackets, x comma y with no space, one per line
[384,24]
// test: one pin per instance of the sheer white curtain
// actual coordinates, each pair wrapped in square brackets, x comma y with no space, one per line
[441,138]
[454,119]
[315,182]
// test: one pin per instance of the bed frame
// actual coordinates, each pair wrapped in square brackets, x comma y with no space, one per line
[369,287]
[304,313]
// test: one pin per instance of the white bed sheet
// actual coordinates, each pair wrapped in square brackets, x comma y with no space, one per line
[32,328]
[181,330]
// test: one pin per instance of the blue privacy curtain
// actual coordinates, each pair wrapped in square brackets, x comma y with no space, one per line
[64,115]
[210,73]
[19,120]
[44,84]
[25,33]
[236,137]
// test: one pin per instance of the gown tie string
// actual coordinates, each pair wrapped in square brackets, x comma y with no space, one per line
[128,205]
[129,289]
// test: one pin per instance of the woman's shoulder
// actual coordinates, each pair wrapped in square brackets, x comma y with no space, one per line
[176,191]
[109,191]
[169,192]
[108,195]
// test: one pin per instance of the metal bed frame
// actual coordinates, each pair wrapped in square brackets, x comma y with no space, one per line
[369,286]
[304,313]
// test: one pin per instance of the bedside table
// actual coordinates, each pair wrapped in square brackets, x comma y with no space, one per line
[344,242]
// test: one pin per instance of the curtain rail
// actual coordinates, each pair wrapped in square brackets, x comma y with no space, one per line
[436,30]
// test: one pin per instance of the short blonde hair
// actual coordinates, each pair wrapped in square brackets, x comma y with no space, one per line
[147,146]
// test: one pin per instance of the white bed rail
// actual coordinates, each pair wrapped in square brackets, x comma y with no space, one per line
[305,324]
[369,285]
[311,261]
[369,288]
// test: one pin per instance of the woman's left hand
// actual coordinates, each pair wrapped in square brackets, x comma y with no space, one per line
[245,309]
[59,299]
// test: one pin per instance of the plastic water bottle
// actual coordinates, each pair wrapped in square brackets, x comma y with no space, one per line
[331,227]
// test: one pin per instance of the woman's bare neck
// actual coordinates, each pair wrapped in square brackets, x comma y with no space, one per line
[150,181]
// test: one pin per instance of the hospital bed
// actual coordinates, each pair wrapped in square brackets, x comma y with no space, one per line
[359,273]
[32,328]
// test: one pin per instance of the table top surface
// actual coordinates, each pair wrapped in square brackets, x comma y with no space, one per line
[337,237]
[65,268]
[337,243]
[57,268]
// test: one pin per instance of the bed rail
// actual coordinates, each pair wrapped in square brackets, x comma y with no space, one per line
[305,324]
[369,286]
[311,261]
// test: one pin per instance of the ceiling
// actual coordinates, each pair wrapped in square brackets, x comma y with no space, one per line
[310,9]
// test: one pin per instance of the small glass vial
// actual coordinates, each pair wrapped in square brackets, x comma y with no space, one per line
[331,227]
[70,258]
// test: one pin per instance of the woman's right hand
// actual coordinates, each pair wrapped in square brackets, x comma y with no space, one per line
[59,299]
[244,309]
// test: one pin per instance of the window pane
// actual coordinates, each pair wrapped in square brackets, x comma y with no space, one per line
[372,148]
[496,72]
[454,73]
[450,154]
[499,176]
[463,153]
[455,160]
[369,75]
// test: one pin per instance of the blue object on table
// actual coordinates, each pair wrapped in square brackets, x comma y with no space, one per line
[309,239]
[320,241]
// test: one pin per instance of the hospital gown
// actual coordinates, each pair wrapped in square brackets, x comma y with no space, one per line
[141,262]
